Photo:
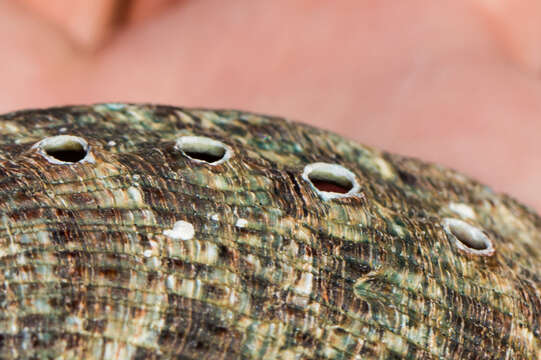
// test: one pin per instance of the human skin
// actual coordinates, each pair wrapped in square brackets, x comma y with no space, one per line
[454,82]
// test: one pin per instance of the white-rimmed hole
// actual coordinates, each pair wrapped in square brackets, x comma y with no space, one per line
[468,237]
[331,180]
[203,149]
[64,149]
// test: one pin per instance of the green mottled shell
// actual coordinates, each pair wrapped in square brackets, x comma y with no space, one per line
[272,270]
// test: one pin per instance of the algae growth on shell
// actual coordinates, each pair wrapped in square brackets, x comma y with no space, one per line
[135,231]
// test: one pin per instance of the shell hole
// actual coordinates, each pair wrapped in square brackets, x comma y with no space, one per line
[330,185]
[331,180]
[65,148]
[205,156]
[203,149]
[68,155]
[469,237]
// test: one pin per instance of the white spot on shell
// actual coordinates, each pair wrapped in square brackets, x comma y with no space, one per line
[170,282]
[135,195]
[304,286]
[147,253]
[463,210]
[8,127]
[241,223]
[182,230]
[385,169]
[111,143]
[43,237]
[114,106]
[214,217]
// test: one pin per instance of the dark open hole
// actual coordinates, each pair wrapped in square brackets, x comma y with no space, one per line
[68,155]
[330,186]
[66,151]
[205,156]
[202,149]
[329,182]
[468,235]
[472,239]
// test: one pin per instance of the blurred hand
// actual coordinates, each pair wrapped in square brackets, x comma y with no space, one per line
[456,82]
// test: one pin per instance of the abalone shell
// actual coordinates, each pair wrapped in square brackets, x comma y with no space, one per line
[146,232]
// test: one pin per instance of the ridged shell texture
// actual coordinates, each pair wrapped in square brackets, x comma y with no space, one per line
[154,232]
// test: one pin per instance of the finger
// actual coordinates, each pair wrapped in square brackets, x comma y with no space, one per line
[88,23]
[144,9]
[518,25]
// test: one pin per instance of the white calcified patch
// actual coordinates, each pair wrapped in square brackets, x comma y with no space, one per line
[331,172]
[214,217]
[135,195]
[182,230]
[114,106]
[61,142]
[468,238]
[43,237]
[147,253]
[111,143]
[8,127]
[241,223]
[305,283]
[462,209]
[170,282]
[204,145]
[385,170]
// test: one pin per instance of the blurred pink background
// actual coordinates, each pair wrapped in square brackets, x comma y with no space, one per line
[452,82]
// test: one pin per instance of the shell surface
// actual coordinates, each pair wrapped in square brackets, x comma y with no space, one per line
[140,232]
